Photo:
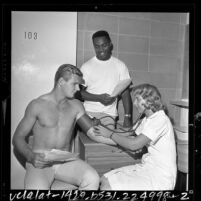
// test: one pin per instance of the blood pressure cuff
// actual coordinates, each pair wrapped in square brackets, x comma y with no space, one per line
[85,122]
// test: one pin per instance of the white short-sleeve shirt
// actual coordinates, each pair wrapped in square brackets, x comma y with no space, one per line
[102,77]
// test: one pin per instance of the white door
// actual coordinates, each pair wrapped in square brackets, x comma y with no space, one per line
[41,42]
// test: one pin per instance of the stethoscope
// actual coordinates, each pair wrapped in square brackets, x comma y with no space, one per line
[132,129]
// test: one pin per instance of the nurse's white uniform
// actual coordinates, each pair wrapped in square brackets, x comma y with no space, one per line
[157,170]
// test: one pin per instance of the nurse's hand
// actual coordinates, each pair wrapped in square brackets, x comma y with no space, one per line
[101,131]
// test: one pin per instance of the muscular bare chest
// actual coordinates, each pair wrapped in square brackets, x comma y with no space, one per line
[54,125]
[60,117]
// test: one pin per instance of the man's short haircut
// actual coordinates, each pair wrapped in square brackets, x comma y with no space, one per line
[66,71]
[101,33]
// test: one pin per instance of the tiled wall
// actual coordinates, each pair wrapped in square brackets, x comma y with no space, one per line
[151,45]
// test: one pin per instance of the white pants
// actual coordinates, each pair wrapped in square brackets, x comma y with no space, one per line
[76,172]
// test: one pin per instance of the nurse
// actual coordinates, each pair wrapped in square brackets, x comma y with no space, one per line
[157,170]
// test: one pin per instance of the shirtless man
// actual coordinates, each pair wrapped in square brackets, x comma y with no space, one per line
[51,118]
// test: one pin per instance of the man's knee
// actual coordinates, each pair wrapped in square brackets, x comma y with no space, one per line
[91,180]
[93,177]
[34,180]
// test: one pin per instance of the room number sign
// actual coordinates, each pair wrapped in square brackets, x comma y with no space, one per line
[31,35]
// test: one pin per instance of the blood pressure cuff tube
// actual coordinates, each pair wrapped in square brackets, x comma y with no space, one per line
[85,122]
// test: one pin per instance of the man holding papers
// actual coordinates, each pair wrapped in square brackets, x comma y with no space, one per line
[51,118]
[106,79]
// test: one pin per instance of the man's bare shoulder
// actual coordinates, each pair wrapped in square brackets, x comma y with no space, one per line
[76,103]
[78,107]
[36,104]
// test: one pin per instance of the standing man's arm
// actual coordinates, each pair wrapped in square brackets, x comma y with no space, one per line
[83,95]
[128,108]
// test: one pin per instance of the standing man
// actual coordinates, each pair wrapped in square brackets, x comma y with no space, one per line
[102,74]
[51,118]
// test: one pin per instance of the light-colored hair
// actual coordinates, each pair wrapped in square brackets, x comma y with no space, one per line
[151,95]
[66,71]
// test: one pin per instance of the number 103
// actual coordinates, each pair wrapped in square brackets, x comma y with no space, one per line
[31,35]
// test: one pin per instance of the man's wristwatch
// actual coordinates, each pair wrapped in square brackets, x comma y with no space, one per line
[127,115]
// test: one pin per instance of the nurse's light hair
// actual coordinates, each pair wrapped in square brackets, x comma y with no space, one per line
[65,71]
[151,95]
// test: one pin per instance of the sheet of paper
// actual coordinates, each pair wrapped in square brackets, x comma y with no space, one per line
[121,87]
[59,155]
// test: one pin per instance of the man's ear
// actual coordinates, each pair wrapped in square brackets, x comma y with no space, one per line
[111,46]
[60,81]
